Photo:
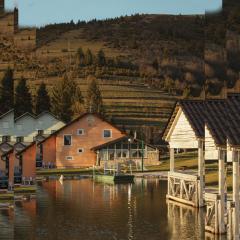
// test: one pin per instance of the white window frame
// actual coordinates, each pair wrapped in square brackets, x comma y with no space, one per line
[69,158]
[110,133]
[80,152]
[71,140]
[83,132]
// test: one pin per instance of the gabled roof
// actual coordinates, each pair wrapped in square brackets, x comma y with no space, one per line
[23,145]
[233,117]
[216,120]
[6,113]
[221,116]
[26,148]
[47,112]
[194,112]
[119,140]
[24,115]
[79,118]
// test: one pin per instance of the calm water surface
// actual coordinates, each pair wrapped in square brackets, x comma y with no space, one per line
[83,209]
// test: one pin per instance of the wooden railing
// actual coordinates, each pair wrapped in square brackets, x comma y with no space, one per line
[183,188]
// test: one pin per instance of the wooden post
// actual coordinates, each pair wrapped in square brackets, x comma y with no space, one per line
[171,159]
[235,195]
[200,173]
[221,190]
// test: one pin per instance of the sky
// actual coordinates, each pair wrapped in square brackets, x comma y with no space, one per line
[42,12]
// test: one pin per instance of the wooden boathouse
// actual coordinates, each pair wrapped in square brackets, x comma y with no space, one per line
[185,130]
[212,127]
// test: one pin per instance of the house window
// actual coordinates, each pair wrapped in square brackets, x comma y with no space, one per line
[67,140]
[40,132]
[6,138]
[69,158]
[5,125]
[107,133]
[80,132]
[80,150]
[19,139]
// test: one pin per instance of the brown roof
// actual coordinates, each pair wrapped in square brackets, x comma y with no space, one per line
[216,120]
[210,112]
[194,111]
[119,140]
[233,117]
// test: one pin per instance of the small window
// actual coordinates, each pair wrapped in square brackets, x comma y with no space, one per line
[19,139]
[80,150]
[6,138]
[80,132]
[67,140]
[69,158]
[5,125]
[40,132]
[107,133]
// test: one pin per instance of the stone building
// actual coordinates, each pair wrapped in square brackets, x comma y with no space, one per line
[22,38]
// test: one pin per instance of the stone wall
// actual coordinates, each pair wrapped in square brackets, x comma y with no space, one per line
[9,23]
[25,39]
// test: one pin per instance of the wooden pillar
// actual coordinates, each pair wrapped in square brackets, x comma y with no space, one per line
[236,195]
[200,174]
[171,159]
[221,190]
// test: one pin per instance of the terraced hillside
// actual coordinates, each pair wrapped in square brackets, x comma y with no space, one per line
[135,105]
[132,105]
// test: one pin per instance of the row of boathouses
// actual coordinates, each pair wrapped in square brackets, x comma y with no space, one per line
[212,128]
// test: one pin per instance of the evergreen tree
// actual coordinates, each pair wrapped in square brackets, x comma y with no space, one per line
[7,92]
[67,100]
[101,60]
[94,102]
[23,98]
[89,57]
[80,57]
[42,100]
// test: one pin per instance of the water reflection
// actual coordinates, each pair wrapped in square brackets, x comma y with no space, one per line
[85,209]
[7,224]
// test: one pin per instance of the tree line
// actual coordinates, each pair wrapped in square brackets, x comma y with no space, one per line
[87,58]
[64,100]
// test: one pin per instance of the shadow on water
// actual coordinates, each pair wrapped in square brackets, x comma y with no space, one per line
[88,210]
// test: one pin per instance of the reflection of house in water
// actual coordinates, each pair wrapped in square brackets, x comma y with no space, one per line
[7,224]
[25,219]
[178,220]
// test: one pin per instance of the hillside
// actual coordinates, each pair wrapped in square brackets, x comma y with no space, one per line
[143,63]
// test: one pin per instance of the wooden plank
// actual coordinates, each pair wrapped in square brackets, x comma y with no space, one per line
[183,176]
[235,194]
[172,160]
[190,203]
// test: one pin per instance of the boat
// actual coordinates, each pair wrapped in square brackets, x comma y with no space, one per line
[112,175]
[121,178]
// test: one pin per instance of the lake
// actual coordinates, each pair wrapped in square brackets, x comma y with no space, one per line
[84,209]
